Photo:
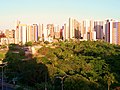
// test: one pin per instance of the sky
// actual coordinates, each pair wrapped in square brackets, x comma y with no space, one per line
[55,11]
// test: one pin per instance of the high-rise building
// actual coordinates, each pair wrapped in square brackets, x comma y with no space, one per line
[40,32]
[9,37]
[61,32]
[66,32]
[74,29]
[118,39]
[114,32]
[91,31]
[109,32]
[56,32]
[85,30]
[35,31]
[17,33]
[46,34]
[50,28]
[9,33]
[25,33]
[22,33]
[98,26]
[30,34]
[93,35]
[71,28]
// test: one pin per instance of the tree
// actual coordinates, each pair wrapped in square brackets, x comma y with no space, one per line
[110,79]
[89,64]
[28,43]
[46,42]
[3,46]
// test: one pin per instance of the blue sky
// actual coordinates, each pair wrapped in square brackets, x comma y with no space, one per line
[55,11]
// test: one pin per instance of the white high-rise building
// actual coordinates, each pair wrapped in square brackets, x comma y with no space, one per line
[71,28]
[85,29]
[94,35]
[40,32]
[66,32]
[17,33]
[22,33]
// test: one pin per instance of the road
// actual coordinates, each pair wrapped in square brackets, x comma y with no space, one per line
[6,86]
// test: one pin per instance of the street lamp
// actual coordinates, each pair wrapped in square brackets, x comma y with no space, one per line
[2,65]
[62,78]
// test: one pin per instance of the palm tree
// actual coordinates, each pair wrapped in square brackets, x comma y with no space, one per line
[110,79]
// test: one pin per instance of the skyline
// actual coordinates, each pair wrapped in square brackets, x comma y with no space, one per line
[56,12]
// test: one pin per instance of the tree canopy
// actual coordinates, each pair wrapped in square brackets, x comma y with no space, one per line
[87,65]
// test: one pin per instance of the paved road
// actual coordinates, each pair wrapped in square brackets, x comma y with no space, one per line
[6,86]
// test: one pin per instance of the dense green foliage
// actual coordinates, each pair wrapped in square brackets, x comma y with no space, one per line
[28,43]
[3,50]
[85,65]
